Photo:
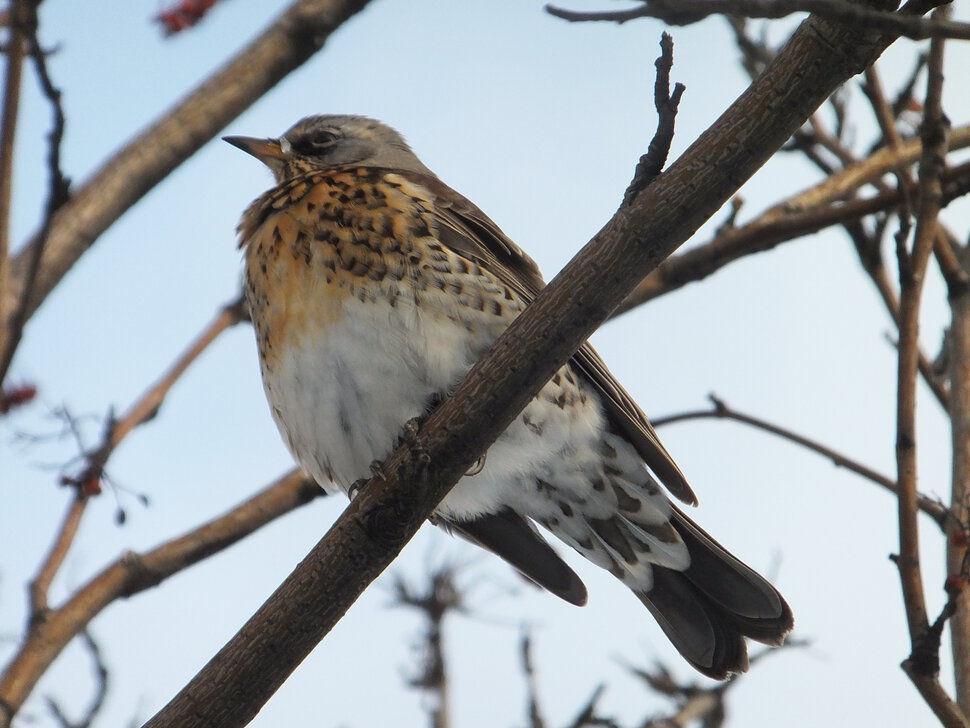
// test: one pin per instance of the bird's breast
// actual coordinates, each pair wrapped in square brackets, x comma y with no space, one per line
[360,322]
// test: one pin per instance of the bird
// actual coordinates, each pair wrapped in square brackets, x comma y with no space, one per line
[373,287]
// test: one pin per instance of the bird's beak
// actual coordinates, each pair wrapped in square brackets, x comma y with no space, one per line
[267,151]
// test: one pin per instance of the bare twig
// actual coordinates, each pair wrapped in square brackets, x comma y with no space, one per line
[867,171]
[40,585]
[133,573]
[944,246]
[755,55]
[823,148]
[880,279]
[588,717]
[720,410]
[146,407]
[906,97]
[100,689]
[845,183]
[922,665]
[912,267]
[440,599]
[652,163]
[57,196]
[532,689]
[685,12]
[16,47]
[958,356]
[894,140]
[946,255]
[886,117]
[694,702]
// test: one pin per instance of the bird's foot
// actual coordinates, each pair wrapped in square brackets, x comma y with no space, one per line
[376,470]
[477,466]
[409,433]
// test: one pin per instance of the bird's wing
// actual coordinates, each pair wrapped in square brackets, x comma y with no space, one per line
[629,419]
[516,540]
[470,232]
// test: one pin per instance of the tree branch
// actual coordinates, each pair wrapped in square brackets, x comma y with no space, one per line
[86,483]
[891,136]
[922,665]
[766,232]
[40,585]
[696,703]
[440,599]
[855,173]
[686,12]
[11,328]
[812,210]
[229,691]
[652,163]
[146,407]
[945,252]
[912,268]
[100,689]
[16,47]
[958,342]
[133,573]
[531,687]
[720,410]
[845,182]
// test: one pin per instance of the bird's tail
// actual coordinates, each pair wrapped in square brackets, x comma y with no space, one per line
[708,609]
[706,604]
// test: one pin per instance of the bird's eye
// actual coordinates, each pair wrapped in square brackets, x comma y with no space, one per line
[314,144]
[322,139]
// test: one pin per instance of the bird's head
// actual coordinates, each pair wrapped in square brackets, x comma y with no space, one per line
[322,142]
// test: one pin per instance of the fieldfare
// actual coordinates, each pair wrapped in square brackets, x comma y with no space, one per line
[373,288]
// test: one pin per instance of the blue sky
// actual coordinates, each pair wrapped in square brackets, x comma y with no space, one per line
[540,123]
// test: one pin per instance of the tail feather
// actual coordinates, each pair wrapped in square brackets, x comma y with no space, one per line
[695,625]
[745,597]
[706,610]
[709,608]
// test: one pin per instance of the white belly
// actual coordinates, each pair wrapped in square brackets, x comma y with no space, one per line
[342,397]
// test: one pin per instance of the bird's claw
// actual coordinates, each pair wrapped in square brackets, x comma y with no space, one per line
[377,471]
[409,434]
[476,467]
[354,490]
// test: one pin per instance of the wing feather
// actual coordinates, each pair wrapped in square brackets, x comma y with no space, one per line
[463,227]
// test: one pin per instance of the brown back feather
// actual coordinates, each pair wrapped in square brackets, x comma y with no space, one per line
[469,231]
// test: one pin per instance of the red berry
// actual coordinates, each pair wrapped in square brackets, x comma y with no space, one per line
[954,584]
